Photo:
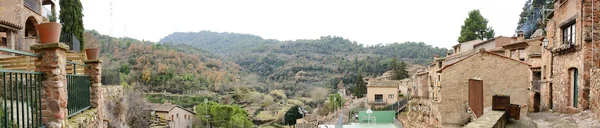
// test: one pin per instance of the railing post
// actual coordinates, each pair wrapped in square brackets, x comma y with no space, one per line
[54,93]
[94,70]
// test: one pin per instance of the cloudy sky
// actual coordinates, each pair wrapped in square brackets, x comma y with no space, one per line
[435,22]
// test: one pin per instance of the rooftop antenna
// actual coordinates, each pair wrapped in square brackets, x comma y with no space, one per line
[111,31]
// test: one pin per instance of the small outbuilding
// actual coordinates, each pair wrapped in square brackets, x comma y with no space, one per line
[499,74]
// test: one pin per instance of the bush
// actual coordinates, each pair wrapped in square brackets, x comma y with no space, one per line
[267,101]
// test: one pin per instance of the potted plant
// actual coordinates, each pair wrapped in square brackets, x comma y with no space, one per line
[92,48]
[49,32]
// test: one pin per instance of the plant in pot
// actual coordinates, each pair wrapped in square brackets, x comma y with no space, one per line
[92,48]
[49,32]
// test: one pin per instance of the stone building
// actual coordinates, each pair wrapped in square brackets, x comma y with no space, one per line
[18,19]
[569,55]
[421,84]
[500,75]
[494,44]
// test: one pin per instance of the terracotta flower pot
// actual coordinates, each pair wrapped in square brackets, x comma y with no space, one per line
[49,32]
[92,53]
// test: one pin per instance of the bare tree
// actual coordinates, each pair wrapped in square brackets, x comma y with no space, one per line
[138,114]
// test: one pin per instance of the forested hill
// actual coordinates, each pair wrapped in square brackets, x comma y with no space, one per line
[163,67]
[218,42]
[312,62]
[234,44]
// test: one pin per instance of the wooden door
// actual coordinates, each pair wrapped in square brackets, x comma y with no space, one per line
[476,96]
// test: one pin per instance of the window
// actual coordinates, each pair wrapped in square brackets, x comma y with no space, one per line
[568,33]
[440,64]
[522,54]
[390,95]
[513,54]
[378,98]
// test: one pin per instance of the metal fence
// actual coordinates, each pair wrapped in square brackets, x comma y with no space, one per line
[111,77]
[78,90]
[71,40]
[21,105]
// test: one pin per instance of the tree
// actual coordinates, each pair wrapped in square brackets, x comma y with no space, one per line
[291,115]
[138,115]
[228,116]
[475,27]
[71,17]
[336,101]
[400,71]
[360,88]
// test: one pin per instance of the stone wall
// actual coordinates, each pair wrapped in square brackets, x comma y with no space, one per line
[579,57]
[595,91]
[114,109]
[500,75]
[85,119]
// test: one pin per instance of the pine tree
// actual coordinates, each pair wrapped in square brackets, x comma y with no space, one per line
[360,88]
[475,27]
[71,17]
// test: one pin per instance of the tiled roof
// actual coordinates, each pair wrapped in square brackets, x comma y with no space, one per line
[383,83]
[9,24]
[162,107]
[483,51]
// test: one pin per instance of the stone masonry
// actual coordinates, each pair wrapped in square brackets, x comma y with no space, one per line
[595,92]
[564,60]
[96,99]
[54,82]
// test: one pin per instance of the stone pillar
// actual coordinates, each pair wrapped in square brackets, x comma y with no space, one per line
[96,99]
[54,82]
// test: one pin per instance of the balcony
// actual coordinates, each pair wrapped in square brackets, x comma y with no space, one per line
[34,5]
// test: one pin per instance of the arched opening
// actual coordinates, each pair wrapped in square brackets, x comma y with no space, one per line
[30,24]
[30,34]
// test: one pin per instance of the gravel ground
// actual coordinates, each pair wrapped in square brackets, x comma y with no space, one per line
[585,119]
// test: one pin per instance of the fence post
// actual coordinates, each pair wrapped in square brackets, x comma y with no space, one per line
[96,99]
[54,82]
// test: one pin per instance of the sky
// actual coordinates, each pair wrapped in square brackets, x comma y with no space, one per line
[369,22]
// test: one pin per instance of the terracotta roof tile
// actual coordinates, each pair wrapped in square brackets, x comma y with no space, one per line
[483,51]
[9,24]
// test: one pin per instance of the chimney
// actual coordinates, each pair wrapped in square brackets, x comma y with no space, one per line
[520,36]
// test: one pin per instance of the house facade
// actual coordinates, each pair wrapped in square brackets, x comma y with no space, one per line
[382,92]
[175,116]
[569,55]
[500,75]
[18,19]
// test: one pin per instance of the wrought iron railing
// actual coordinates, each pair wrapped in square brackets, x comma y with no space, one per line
[33,5]
[71,40]
[21,94]
[78,91]
[111,77]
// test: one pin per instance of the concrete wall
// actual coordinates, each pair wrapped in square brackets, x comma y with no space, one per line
[385,91]
[500,75]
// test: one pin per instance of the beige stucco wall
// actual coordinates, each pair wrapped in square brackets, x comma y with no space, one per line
[500,76]
[385,91]
[487,45]
[180,118]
